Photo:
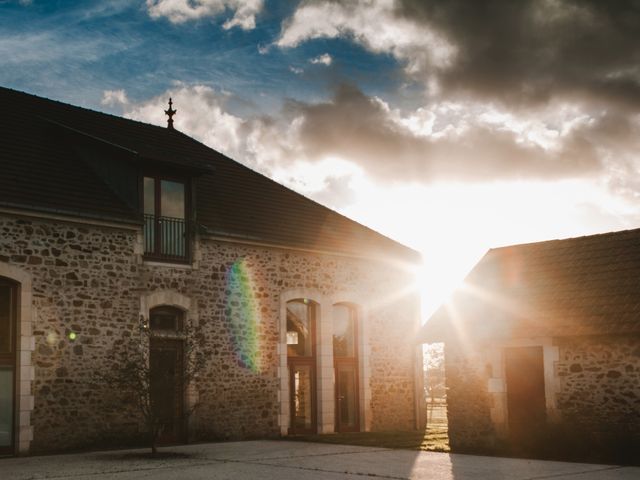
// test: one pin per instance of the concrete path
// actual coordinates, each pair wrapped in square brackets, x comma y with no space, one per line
[296,460]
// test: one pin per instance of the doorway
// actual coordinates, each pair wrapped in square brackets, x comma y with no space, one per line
[166,362]
[8,315]
[526,406]
[301,363]
[345,359]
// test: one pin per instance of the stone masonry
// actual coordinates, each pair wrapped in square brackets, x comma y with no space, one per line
[90,279]
[600,378]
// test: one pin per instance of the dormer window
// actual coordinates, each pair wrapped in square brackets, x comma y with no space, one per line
[165,219]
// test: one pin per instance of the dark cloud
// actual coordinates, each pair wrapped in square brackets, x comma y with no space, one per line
[535,50]
[360,128]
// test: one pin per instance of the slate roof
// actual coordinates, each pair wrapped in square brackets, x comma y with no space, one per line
[577,286]
[43,155]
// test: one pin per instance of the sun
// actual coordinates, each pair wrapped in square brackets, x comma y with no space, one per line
[442,272]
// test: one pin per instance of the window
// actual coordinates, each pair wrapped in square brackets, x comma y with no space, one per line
[166,233]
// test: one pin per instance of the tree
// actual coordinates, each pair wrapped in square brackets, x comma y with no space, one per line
[434,376]
[133,380]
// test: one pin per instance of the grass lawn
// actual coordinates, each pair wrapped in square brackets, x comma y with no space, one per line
[433,439]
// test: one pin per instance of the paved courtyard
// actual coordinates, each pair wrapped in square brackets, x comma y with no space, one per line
[297,460]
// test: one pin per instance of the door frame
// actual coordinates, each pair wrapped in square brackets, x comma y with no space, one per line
[310,361]
[11,360]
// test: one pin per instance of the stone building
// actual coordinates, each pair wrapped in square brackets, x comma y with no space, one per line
[542,344]
[306,317]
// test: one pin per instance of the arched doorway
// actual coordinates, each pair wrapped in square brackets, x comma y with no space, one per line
[345,359]
[301,363]
[166,362]
[8,347]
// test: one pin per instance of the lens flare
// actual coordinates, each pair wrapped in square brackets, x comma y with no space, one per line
[242,314]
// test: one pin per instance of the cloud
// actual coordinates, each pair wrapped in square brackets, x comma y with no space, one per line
[543,89]
[296,70]
[46,47]
[114,97]
[524,52]
[373,24]
[324,59]
[535,51]
[448,140]
[180,11]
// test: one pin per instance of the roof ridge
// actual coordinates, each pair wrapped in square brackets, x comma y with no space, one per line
[99,112]
[566,239]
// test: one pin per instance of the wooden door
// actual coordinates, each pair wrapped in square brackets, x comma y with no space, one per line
[526,404]
[167,388]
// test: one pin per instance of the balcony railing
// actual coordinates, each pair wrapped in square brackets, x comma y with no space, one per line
[165,238]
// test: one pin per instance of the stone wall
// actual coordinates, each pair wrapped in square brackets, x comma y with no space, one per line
[600,382]
[84,280]
[89,280]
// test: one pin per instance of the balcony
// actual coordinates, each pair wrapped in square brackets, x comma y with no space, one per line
[166,239]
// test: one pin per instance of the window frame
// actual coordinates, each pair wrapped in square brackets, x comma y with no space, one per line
[156,254]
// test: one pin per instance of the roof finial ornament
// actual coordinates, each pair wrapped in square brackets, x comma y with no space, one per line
[170,113]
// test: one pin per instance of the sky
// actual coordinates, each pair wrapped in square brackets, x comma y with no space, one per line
[452,127]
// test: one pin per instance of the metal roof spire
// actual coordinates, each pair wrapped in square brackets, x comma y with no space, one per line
[170,113]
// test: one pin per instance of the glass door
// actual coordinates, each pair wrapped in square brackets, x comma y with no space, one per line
[8,292]
[301,385]
[301,360]
[346,397]
[345,358]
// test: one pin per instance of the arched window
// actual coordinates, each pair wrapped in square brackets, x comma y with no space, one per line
[345,359]
[301,362]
